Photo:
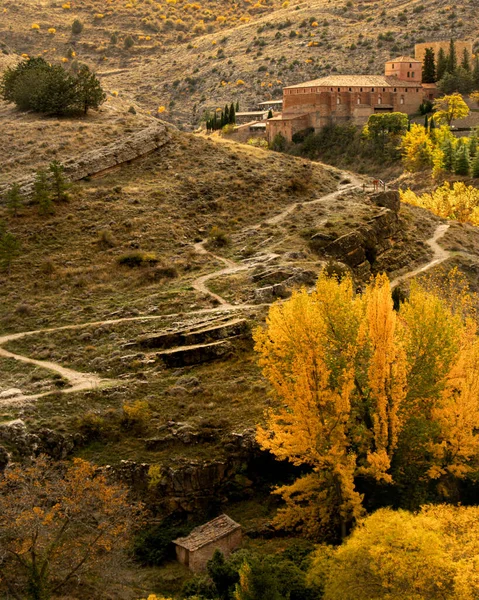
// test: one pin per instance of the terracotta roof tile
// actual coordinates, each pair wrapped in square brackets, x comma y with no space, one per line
[356,81]
[208,533]
[403,59]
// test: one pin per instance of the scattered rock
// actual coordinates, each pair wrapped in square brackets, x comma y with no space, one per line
[11,393]
[196,354]
[388,199]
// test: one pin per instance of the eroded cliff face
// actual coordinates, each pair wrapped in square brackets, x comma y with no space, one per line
[102,160]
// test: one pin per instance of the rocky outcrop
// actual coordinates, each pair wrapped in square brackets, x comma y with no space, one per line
[202,334]
[102,160]
[14,435]
[191,486]
[193,355]
[365,243]
[282,280]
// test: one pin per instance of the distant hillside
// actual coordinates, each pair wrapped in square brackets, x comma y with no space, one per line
[193,57]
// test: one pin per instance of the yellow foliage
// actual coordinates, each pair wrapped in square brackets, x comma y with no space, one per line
[161,109]
[240,82]
[449,108]
[417,149]
[394,555]
[458,201]
[66,6]
[35,26]
[314,24]
[52,31]
[352,380]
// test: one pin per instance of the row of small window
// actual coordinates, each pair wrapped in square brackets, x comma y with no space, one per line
[313,90]
[380,100]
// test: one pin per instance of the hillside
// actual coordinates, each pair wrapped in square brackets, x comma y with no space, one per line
[205,60]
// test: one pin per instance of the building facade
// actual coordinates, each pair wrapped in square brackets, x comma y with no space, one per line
[350,98]
[195,550]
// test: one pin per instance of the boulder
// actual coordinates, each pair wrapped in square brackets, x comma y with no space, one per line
[388,199]
[11,393]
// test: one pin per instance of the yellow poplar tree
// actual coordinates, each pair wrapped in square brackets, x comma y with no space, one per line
[360,390]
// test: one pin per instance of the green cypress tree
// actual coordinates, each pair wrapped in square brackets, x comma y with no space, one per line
[227,114]
[237,105]
[475,166]
[432,124]
[463,162]
[232,114]
[429,67]
[449,155]
[441,64]
[452,58]
[59,184]
[270,114]
[14,199]
[466,61]
[426,122]
[41,193]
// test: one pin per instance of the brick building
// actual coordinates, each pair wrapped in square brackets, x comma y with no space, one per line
[351,98]
[195,550]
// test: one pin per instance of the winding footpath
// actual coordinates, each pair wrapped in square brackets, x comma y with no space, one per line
[79,381]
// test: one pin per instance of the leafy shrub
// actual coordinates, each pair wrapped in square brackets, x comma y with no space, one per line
[218,237]
[135,416]
[300,136]
[106,239]
[77,27]
[93,427]
[153,545]
[137,258]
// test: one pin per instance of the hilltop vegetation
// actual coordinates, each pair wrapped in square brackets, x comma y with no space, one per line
[221,52]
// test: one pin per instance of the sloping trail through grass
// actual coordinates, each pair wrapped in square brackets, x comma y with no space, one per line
[79,381]
[439,256]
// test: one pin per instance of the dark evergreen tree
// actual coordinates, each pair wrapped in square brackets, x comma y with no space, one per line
[88,90]
[41,193]
[426,122]
[226,113]
[223,574]
[432,125]
[462,162]
[9,249]
[237,105]
[452,57]
[232,114]
[475,166]
[475,72]
[270,114]
[77,27]
[449,155]
[58,181]
[473,146]
[429,67]
[466,61]
[441,64]
[14,199]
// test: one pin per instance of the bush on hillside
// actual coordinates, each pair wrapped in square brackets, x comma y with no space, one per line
[38,86]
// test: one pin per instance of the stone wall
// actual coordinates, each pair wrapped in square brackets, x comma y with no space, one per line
[102,160]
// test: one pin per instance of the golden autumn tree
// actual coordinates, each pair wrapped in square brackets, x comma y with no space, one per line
[393,555]
[59,525]
[362,391]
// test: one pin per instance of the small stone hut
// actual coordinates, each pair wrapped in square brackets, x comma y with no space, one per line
[195,550]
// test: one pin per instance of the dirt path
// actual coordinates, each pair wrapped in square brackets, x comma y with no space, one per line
[440,255]
[79,381]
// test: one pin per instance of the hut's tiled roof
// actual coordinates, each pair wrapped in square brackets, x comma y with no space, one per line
[208,533]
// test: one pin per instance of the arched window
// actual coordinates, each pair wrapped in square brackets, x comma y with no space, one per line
[338,100]
[412,74]
[408,74]
[359,100]
[380,100]
[402,100]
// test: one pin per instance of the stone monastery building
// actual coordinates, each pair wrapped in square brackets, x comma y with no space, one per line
[351,98]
